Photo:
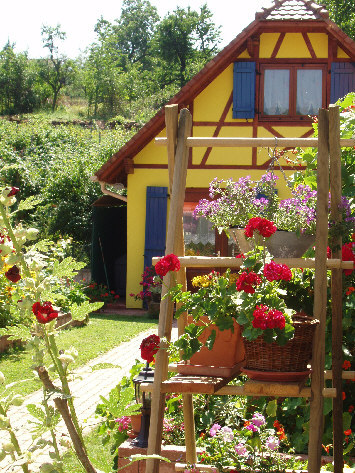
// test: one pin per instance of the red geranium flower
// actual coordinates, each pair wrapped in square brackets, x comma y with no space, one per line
[264,227]
[166,264]
[13,274]
[348,255]
[247,282]
[277,272]
[149,347]
[264,318]
[44,313]
[346,365]
[347,432]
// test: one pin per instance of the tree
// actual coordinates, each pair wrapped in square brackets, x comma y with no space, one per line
[56,70]
[186,36]
[128,40]
[342,12]
[17,82]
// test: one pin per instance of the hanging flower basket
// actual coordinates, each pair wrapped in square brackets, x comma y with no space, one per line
[261,358]
[282,244]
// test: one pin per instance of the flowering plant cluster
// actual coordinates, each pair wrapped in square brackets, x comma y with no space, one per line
[254,446]
[234,203]
[216,299]
[260,307]
[100,293]
[252,298]
[151,285]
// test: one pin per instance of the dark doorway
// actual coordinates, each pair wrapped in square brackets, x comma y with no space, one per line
[109,244]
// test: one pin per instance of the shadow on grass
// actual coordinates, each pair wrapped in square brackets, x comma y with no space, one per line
[124,318]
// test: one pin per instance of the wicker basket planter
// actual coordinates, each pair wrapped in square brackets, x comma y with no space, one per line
[262,357]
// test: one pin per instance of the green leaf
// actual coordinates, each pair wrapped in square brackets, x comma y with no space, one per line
[79,312]
[67,268]
[271,408]
[346,420]
[29,203]
[210,340]
[36,412]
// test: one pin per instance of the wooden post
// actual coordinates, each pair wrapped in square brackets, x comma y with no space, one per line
[336,288]
[171,120]
[166,307]
[320,296]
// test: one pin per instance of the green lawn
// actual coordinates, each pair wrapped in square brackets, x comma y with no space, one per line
[101,334]
[100,456]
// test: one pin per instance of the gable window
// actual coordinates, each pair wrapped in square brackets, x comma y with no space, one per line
[291,91]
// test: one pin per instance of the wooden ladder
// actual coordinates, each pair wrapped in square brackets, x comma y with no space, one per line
[178,143]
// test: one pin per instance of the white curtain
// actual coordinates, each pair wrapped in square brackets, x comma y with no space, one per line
[309,91]
[276,91]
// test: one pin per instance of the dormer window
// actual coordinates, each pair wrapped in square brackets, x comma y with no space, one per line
[291,91]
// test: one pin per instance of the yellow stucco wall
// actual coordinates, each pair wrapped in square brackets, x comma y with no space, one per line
[208,107]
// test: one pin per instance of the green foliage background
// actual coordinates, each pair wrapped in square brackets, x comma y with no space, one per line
[55,164]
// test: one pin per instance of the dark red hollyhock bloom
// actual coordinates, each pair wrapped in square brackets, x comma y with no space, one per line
[348,255]
[13,191]
[166,264]
[13,274]
[44,313]
[277,272]
[247,282]
[263,226]
[149,347]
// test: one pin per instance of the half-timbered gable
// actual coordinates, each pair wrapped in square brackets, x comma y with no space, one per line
[269,81]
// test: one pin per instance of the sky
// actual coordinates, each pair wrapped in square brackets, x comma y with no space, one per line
[21,20]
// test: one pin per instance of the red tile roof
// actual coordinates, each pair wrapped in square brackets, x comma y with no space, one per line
[293,10]
[288,11]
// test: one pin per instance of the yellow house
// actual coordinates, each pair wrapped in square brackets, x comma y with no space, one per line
[269,81]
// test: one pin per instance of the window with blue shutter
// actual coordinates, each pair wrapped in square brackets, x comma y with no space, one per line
[155,223]
[342,80]
[244,90]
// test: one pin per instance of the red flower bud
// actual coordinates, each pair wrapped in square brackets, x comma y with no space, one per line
[13,191]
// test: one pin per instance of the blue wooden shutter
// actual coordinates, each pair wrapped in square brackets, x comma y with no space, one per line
[244,90]
[155,223]
[342,80]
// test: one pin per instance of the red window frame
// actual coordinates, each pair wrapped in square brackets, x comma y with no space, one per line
[293,68]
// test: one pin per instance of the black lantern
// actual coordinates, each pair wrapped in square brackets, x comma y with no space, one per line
[144,398]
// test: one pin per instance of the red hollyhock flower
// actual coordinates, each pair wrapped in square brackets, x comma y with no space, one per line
[44,313]
[13,191]
[13,274]
[348,255]
[247,282]
[277,272]
[149,347]
[166,264]
[264,227]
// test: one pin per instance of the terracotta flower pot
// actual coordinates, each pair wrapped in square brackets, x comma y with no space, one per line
[225,359]
[136,420]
